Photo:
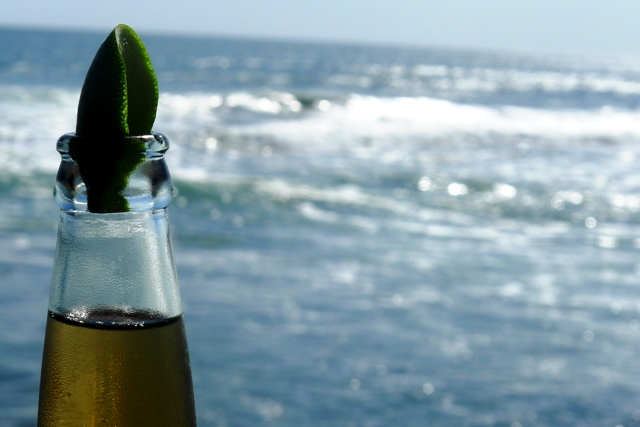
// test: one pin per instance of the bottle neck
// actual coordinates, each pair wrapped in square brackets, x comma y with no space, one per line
[115,266]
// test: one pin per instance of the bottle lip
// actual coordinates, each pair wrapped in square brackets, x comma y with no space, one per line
[146,187]
[154,144]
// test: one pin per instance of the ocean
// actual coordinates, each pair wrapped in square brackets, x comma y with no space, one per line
[364,235]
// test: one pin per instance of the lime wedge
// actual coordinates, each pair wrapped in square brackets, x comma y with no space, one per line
[120,92]
[119,98]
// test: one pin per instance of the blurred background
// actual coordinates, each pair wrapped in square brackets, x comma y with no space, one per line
[386,214]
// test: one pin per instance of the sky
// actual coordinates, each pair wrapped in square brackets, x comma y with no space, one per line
[554,26]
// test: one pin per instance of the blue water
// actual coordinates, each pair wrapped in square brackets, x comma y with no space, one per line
[365,236]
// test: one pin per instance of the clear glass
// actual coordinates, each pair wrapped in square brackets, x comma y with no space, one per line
[115,346]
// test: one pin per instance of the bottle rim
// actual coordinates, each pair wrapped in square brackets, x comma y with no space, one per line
[147,186]
[154,144]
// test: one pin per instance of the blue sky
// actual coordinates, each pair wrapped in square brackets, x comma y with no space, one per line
[571,26]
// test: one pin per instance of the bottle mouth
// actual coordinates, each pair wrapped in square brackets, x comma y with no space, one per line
[154,144]
[129,172]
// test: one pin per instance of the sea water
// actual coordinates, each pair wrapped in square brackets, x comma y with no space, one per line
[365,236]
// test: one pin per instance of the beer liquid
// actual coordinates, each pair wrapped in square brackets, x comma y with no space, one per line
[105,373]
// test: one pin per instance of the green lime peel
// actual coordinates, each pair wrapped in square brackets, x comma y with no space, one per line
[119,100]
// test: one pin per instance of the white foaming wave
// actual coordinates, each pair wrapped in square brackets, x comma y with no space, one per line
[32,121]
[377,117]
[181,110]
[202,109]
[406,118]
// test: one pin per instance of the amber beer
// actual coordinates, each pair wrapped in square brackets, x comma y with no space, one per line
[116,375]
[115,351]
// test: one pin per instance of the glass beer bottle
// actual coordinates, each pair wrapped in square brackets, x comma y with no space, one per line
[115,350]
